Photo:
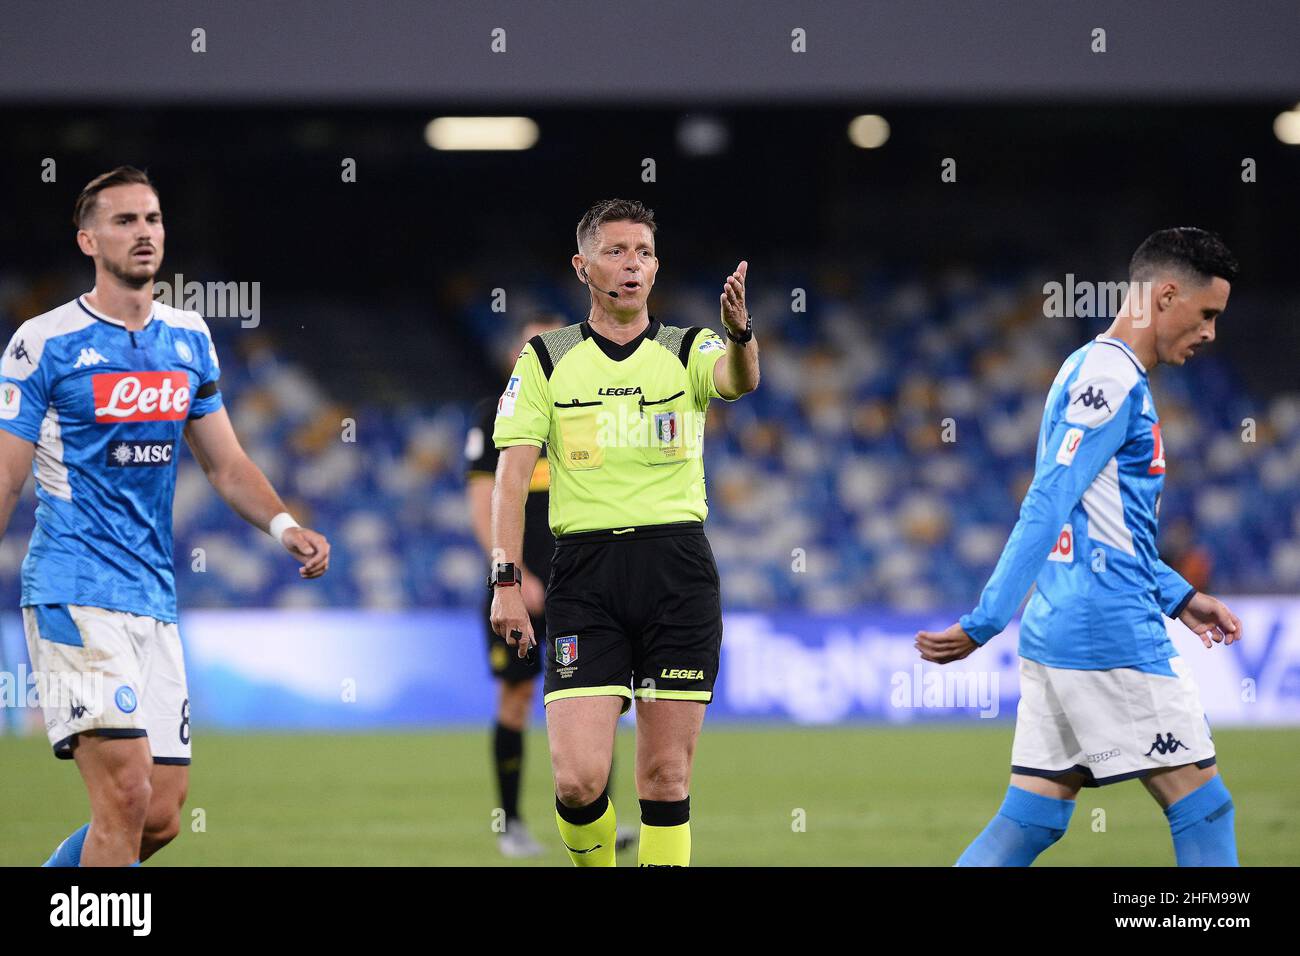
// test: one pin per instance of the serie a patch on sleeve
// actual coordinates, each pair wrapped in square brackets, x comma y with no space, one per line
[506,404]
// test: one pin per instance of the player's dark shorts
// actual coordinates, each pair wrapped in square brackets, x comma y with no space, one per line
[634,612]
[504,661]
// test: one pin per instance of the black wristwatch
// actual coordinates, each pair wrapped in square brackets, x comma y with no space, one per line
[504,574]
[741,340]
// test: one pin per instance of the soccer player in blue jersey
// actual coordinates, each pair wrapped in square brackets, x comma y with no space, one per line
[94,396]
[1103,694]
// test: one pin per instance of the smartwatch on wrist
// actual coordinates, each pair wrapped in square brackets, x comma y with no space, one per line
[744,337]
[505,574]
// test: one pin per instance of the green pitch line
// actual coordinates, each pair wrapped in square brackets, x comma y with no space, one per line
[909,796]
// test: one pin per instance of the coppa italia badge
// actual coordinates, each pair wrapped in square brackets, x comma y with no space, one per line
[141,396]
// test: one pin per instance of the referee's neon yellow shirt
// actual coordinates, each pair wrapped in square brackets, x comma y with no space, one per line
[624,425]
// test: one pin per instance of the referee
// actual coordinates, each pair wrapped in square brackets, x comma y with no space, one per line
[632,606]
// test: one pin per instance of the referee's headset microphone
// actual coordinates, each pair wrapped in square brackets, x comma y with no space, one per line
[587,279]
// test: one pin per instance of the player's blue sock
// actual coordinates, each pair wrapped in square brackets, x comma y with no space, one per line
[1025,826]
[69,851]
[1202,826]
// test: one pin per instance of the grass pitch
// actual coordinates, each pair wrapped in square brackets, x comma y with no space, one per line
[761,797]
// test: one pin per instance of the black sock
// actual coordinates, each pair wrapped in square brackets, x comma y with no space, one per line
[508,755]
[665,813]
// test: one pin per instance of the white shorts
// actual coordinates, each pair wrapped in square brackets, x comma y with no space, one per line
[1110,725]
[113,673]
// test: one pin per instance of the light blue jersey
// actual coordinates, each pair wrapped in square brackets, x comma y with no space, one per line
[105,407]
[1087,530]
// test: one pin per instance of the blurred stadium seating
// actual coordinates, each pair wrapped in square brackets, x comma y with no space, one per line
[840,454]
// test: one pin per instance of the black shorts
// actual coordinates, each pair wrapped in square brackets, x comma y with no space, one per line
[504,661]
[634,613]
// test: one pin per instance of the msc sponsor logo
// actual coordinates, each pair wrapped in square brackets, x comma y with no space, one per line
[141,396]
[680,673]
[135,454]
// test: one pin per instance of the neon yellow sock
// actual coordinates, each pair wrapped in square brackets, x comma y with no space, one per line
[665,833]
[588,832]
[665,846]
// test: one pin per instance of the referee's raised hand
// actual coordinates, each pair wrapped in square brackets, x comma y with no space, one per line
[735,316]
[510,619]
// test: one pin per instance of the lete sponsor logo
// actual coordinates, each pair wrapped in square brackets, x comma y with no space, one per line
[1063,550]
[141,396]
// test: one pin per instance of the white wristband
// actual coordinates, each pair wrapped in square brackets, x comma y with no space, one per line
[280,524]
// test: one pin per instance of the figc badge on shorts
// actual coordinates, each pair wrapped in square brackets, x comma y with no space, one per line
[566,650]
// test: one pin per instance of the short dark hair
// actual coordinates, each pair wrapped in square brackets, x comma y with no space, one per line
[122,176]
[1198,251]
[612,210]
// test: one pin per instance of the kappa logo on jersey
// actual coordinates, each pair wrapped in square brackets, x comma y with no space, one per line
[19,351]
[1063,551]
[1069,447]
[1091,398]
[134,454]
[1157,453]
[88,357]
[506,404]
[566,650]
[1167,745]
[11,400]
[141,396]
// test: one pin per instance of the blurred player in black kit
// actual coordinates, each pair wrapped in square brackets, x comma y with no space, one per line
[516,677]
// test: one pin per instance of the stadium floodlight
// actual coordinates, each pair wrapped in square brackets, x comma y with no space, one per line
[868,131]
[702,136]
[481,133]
[1287,126]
